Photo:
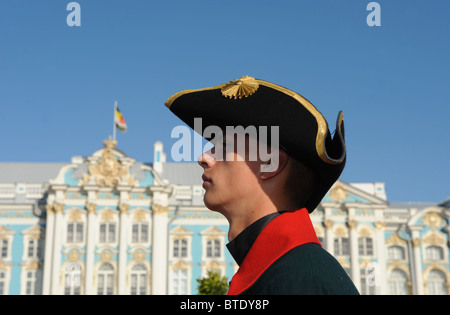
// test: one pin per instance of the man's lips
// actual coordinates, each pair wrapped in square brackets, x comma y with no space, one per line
[206,180]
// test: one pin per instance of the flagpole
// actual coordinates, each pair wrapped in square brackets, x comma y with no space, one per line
[114,121]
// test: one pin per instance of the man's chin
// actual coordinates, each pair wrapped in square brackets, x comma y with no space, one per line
[211,204]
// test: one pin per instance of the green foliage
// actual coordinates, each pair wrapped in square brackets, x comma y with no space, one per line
[214,284]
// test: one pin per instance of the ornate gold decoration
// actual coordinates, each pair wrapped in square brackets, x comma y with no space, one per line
[109,171]
[32,265]
[106,256]
[239,88]
[434,239]
[123,208]
[58,208]
[107,215]
[380,226]
[180,264]
[139,215]
[364,232]
[158,209]
[352,224]
[416,242]
[91,208]
[49,209]
[328,224]
[75,215]
[139,256]
[73,256]
[338,194]
[395,239]
[340,231]
[433,220]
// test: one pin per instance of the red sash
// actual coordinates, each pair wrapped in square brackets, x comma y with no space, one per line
[285,232]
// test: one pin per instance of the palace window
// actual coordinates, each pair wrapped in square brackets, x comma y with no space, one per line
[435,282]
[4,243]
[434,253]
[72,279]
[213,249]
[365,246]
[367,281]
[179,285]
[2,282]
[398,282]
[33,248]
[139,280]
[108,232]
[140,232]
[180,247]
[341,246]
[105,284]
[75,232]
[396,253]
[31,282]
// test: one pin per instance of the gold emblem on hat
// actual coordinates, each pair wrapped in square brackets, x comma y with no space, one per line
[239,88]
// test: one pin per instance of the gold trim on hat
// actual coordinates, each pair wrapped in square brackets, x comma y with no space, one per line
[322,126]
[243,87]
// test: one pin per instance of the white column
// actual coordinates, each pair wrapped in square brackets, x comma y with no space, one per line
[354,257]
[47,276]
[381,254]
[57,245]
[159,249]
[329,239]
[417,258]
[90,243]
[123,244]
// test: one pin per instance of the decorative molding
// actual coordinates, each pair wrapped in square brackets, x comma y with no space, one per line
[58,208]
[380,226]
[123,208]
[91,208]
[159,209]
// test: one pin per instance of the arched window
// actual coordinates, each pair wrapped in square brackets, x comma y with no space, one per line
[341,246]
[179,285]
[434,253]
[365,246]
[436,283]
[105,285]
[213,248]
[139,232]
[108,232]
[2,282]
[180,248]
[139,280]
[398,283]
[75,232]
[396,252]
[72,279]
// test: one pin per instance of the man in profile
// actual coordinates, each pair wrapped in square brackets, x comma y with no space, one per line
[271,235]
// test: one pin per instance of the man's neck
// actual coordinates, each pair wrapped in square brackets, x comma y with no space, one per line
[245,217]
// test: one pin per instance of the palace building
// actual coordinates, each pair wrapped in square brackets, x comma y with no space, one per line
[108,224]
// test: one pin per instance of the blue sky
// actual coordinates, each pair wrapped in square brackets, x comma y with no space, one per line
[58,83]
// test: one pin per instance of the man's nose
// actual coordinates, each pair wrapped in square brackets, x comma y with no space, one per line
[206,160]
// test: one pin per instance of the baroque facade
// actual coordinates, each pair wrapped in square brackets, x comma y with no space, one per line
[108,224]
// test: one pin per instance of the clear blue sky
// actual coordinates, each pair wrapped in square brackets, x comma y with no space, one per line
[58,83]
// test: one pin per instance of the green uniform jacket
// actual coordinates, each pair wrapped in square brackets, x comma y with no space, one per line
[285,257]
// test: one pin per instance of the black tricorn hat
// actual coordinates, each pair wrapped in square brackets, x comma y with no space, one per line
[303,131]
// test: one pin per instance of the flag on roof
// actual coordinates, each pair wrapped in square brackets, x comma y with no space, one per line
[120,121]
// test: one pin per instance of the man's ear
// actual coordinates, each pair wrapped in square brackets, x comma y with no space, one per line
[283,158]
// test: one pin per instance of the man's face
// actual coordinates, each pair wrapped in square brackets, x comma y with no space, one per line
[230,180]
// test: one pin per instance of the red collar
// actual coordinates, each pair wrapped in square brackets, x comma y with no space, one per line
[285,232]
